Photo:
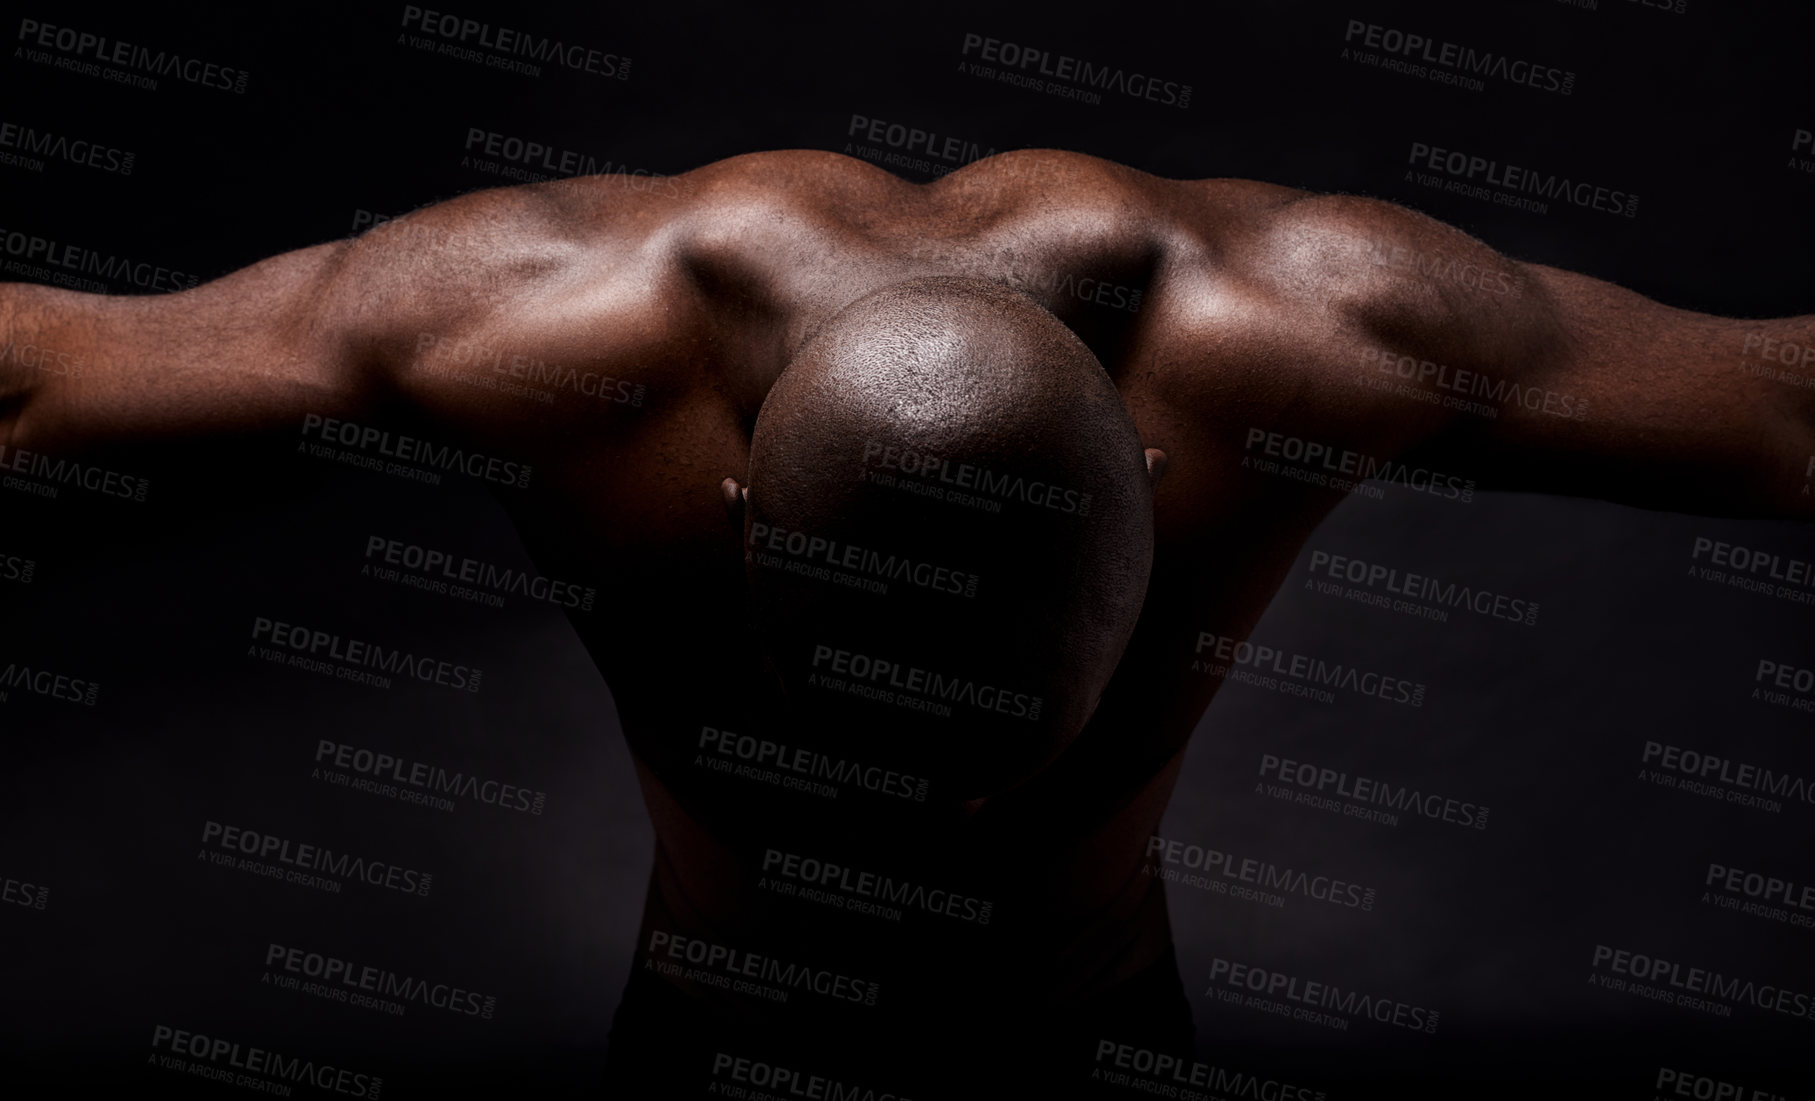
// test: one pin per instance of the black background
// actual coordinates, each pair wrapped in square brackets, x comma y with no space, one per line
[1693,112]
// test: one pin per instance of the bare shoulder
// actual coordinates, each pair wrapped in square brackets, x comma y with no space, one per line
[465,251]
[783,173]
[1037,184]
[742,207]
[1366,255]
[1362,269]
[545,267]
[1278,306]
[456,303]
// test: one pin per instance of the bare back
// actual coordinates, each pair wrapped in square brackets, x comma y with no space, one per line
[620,340]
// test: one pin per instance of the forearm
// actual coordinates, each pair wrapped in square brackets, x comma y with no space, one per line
[1777,357]
[38,348]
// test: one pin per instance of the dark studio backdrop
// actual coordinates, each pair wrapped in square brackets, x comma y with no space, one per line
[1590,841]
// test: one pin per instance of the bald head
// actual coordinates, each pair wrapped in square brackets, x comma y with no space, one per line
[949,524]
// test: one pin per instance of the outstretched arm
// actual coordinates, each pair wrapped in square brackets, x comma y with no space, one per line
[237,355]
[556,274]
[1526,377]
[1677,410]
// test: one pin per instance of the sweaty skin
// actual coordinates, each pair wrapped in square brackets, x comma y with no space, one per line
[1233,317]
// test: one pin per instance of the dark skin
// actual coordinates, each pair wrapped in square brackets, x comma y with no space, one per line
[1259,307]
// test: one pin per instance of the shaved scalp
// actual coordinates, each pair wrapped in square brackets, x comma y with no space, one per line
[942,427]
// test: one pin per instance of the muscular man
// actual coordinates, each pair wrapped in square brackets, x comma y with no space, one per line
[820,350]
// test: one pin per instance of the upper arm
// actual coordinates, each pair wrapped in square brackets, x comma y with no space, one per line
[1639,402]
[225,356]
[423,311]
[1526,377]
